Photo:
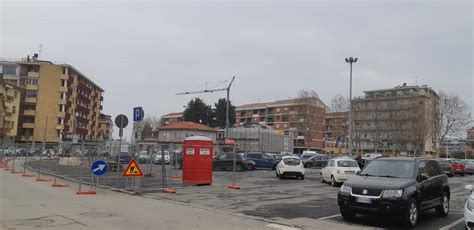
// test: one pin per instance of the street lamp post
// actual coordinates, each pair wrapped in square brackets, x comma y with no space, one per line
[350,60]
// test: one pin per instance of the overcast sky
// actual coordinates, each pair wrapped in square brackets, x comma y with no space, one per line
[143,53]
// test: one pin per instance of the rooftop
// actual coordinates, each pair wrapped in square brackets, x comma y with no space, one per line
[177,114]
[277,103]
[187,126]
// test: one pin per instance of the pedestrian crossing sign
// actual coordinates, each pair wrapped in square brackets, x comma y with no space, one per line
[133,169]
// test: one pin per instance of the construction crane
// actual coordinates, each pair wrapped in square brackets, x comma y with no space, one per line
[227,122]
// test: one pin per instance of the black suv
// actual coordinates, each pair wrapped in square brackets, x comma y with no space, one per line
[399,186]
[225,161]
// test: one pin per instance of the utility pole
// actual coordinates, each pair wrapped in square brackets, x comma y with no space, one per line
[350,60]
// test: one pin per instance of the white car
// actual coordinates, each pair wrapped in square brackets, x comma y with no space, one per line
[290,166]
[339,170]
[469,209]
[158,157]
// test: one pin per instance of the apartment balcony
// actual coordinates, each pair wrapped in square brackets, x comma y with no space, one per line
[33,74]
[29,112]
[61,127]
[30,99]
[61,114]
[64,77]
[63,89]
[31,87]
[28,125]
[62,102]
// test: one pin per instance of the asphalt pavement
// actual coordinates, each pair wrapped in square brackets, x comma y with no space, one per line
[300,203]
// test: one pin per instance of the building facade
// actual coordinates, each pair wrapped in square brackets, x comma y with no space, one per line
[336,132]
[303,118]
[58,101]
[257,138]
[171,118]
[9,110]
[470,141]
[172,136]
[394,121]
[105,127]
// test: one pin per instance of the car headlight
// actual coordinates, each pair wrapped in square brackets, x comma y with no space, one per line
[470,204]
[392,193]
[346,189]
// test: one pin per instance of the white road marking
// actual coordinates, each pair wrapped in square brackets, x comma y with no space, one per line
[452,224]
[282,227]
[329,217]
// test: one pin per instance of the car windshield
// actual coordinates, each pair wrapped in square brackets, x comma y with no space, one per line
[443,163]
[292,161]
[390,168]
[347,164]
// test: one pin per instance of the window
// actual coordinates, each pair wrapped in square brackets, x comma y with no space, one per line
[278,126]
[64,70]
[284,117]
[61,108]
[31,93]
[265,157]
[432,169]
[63,83]
[285,125]
[9,70]
[278,110]
[189,134]
[255,156]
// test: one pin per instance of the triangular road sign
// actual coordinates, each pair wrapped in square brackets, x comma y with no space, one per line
[133,169]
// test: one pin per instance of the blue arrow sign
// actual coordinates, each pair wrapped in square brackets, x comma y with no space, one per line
[99,168]
[138,114]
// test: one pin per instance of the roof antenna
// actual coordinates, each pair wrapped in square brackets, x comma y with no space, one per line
[40,48]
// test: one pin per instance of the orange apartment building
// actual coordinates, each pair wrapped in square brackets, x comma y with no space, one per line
[9,110]
[303,118]
[56,97]
[336,132]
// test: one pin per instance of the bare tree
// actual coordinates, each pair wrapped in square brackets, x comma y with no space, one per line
[453,116]
[339,103]
[308,105]
[149,127]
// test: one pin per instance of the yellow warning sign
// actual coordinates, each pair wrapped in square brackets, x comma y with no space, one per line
[133,169]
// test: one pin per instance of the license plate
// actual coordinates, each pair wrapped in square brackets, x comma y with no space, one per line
[349,172]
[364,200]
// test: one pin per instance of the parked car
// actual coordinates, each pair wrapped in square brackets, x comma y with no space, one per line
[339,170]
[158,157]
[277,157]
[48,153]
[468,166]
[458,166]
[143,157]
[315,161]
[290,166]
[262,160]
[309,153]
[225,161]
[124,158]
[396,186]
[446,165]
[469,209]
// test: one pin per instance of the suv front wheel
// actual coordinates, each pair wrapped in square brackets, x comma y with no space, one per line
[443,208]
[410,218]
[347,213]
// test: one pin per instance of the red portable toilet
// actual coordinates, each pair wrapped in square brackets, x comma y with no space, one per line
[197,160]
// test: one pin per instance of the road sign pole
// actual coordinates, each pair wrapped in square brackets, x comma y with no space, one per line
[81,165]
[118,161]
[163,169]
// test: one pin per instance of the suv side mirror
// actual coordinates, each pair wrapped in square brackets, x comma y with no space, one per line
[421,177]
